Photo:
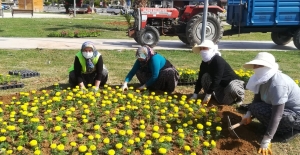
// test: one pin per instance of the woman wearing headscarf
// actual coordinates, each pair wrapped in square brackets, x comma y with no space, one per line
[276,101]
[88,68]
[216,77]
[153,71]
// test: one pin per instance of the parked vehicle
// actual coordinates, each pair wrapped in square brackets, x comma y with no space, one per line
[281,18]
[186,23]
[84,9]
[115,9]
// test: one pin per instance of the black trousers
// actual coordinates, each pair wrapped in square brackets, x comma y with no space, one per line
[87,79]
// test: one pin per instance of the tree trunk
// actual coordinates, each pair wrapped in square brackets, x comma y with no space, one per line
[140,3]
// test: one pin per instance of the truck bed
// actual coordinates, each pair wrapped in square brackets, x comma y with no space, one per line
[258,13]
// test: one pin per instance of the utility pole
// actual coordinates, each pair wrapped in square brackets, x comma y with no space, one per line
[204,21]
[74,10]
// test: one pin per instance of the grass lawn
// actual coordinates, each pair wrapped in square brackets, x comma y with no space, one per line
[112,27]
[53,66]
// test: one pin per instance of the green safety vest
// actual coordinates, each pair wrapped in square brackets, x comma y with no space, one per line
[83,62]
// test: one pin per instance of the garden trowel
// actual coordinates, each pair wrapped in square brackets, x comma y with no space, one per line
[232,127]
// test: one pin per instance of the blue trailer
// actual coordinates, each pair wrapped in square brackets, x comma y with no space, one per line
[280,17]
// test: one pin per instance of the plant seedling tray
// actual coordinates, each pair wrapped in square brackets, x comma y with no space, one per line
[11,85]
[186,83]
[24,73]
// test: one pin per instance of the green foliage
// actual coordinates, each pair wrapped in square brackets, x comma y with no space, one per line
[47,3]
[75,33]
[128,19]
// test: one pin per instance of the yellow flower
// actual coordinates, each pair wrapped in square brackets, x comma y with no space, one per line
[122,132]
[57,128]
[169,130]
[80,135]
[40,128]
[64,134]
[9,151]
[33,143]
[137,139]
[112,131]
[111,152]
[202,110]
[169,138]
[37,152]
[162,150]
[147,152]
[129,132]
[106,140]
[149,142]
[11,128]
[93,147]
[161,139]
[155,135]
[181,135]
[142,126]
[60,147]
[119,145]
[53,146]
[91,137]
[206,144]
[185,124]
[208,132]
[180,130]
[213,143]
[142,134]
[97,136]
[96,127]
[73,144]
[187,148]
[208,123]
[2,139]
[130,141]
[82,148]
[20,148]
[128,150]
[218,128]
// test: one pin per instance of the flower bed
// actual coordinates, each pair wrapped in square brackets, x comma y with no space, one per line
[106,122]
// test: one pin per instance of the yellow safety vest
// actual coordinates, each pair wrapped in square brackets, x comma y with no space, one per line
[83,62]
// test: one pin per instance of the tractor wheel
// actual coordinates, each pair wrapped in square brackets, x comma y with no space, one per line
[148,36]
[184,40]
[281,38]
[214,28]
[296,39]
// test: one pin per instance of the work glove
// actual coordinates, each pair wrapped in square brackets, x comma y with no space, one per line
[206,99]
[265,146]
[83,89]
[96,89]
[194,96]
[246,118]
[142,87]
[124,87]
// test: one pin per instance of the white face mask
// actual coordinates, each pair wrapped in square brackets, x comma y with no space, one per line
[88,55]
[260,72]
[207,55]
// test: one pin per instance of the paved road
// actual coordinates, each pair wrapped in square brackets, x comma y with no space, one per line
[118,44]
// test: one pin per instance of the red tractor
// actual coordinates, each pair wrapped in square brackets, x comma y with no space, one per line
[186,23]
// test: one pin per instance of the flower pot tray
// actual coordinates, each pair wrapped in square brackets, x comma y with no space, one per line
[24,73]
[11,85]
[186,83]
